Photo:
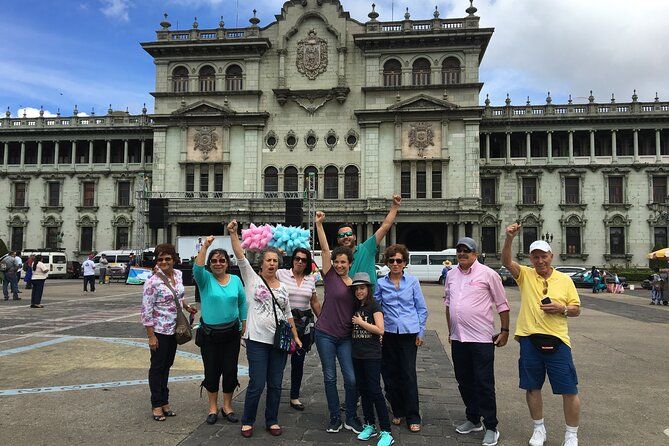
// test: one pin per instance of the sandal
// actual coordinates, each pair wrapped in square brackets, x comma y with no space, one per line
[396,421]
[159,417]
[414,427]
[169,413]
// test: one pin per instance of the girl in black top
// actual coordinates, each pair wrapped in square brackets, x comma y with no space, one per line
[366,352]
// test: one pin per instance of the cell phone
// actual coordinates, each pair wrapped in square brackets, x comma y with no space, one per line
[546,300]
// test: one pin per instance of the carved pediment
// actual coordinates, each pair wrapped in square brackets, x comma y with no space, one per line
[423,102]
[204,108]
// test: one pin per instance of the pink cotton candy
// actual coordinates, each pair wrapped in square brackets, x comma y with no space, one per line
[256,238]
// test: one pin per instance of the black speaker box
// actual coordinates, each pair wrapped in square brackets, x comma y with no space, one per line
[157,213]
[293,212]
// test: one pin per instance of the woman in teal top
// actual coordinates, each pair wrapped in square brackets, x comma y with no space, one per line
[222,321]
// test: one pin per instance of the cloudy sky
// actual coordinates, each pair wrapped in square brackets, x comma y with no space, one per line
[86,52]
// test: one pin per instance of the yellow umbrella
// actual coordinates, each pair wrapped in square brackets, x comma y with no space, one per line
[659,254]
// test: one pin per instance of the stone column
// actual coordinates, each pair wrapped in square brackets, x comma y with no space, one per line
[370,230]
[108,156]
[340,185]
[341,68]
[393,234]
[125,154]
[23,153]
[528,146]
[5,156]
[321,185]
[592,146]
[658,146]
[196,174]
[570,134]
[210,177]
[56,152]
[461,230]
[455,234]
[549,145]
[508,147]
[142,154]
[73,153]
[614,149]
[487,148]
[39,154]
[414,191]
[358,233]
[90,153]
[282,66]
[428,179]
[636,145]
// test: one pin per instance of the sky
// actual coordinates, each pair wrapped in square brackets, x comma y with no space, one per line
[58,54]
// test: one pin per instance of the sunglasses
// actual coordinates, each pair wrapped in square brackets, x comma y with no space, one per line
[163,259]
[300,259]
[393,260]
[217,261]
[461,250]
[345,234]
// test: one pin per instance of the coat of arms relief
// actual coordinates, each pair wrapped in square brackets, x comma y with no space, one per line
[421,136]
[312,55]
[205,140]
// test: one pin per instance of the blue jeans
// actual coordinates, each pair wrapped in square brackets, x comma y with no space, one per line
[11,279]
[331,349]
[266,364]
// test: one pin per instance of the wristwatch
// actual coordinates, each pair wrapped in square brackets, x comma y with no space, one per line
[504,329]
[566,311]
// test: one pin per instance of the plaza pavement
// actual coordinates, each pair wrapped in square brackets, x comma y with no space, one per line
[72,373]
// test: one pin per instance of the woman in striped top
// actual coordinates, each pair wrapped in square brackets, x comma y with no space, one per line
[301,286]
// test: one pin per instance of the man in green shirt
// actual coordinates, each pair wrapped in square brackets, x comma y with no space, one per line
[364,255]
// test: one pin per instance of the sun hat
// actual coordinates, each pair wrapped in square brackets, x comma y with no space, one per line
[361,279]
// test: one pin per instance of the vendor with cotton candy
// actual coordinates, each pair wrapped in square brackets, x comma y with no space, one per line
[283,238]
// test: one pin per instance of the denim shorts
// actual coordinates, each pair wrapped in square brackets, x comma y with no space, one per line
[533,366]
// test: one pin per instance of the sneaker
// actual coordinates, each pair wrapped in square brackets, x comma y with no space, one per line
[571,441]
[468,427]
[490,438]
[354,425]
[652,303]
[367,433]
[538,437]
[385,439]
[334,427]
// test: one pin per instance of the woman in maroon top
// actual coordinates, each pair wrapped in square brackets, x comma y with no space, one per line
[333,331]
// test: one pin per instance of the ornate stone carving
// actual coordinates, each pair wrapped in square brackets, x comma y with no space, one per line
[312,56]
[421,136]
[205,140]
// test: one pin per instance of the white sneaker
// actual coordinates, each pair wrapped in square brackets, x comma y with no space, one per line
[571,441]
[538,436]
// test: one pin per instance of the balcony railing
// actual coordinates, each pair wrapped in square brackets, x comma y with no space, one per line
[567,110]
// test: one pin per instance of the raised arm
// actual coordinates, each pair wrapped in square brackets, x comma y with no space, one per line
[202,255]
[234,239]
[326,254]
[507,260]
[388,221]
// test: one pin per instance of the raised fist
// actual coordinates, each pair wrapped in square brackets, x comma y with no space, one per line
[232,227]
[320,216]
[513,229]
[207,243]
[397,200]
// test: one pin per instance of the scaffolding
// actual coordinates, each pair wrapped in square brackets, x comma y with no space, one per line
[144,195]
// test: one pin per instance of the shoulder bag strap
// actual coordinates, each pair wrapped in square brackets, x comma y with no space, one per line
[167,283]
[274,304]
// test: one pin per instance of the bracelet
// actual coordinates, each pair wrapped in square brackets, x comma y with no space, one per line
[504,329]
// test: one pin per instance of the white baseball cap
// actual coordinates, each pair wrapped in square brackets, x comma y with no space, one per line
[541,245]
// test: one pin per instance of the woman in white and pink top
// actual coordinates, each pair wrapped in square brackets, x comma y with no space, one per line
[304,304]
[40,274]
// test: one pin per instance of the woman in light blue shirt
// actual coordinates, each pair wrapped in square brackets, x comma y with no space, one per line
[404,318]
[222,320]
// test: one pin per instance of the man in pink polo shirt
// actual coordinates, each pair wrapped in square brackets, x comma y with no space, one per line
[471,291]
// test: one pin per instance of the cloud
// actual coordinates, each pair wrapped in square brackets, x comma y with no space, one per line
[31,112]
[116,9]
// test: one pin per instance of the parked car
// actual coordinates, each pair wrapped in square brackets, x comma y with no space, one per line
[73,269]
[584,279]
[507,278]
[381,270]
[570,270]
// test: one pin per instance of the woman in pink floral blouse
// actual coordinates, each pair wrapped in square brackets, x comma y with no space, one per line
[159,317]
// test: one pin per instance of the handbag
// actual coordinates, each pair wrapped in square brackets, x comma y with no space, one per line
[283,336]
[545,343]
[182,332]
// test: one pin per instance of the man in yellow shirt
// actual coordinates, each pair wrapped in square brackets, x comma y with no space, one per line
[547,298]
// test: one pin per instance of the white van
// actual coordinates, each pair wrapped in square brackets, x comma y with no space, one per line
[116,258]
[56,261]
[427,265]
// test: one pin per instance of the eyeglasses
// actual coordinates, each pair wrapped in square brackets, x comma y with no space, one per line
[394,260]
[461,250]
[300,259]
[163,259]
[215,261]
[345,234]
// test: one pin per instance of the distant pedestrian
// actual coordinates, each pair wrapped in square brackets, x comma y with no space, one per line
[103,268]
[404,319]
[89,273]
[132,262]
[28,268]
[10,279]
[664,274]
[594,274]
[40,272]
[366,352]
[472,292]
[657,290]
[444,271]
[159,317]
[547,299]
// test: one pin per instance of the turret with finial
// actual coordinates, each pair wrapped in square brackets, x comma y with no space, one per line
[8,114]
[254,20]
[549,99]
[373,15]
[634,96]
[570,101]
[507,101]
[75,112]
[528,101]
[591,98]
[109,110]
[144,109]
[165,24]
[472,9]
[487,100]
[221,23]
[195,24]
[613,98]
[58,113]
[435,14]
[657,98]
[407,16]
[41,111]
[92,111]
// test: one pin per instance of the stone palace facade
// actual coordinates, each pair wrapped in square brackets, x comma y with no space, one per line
[368,110]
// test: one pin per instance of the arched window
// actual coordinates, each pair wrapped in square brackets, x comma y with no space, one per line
[450,71]
[180,80]
[392,73]
[271,180]
[331,183]
[207,78]
[233,78]
[351,182]
[290,179]
[421,72]
[309,171]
